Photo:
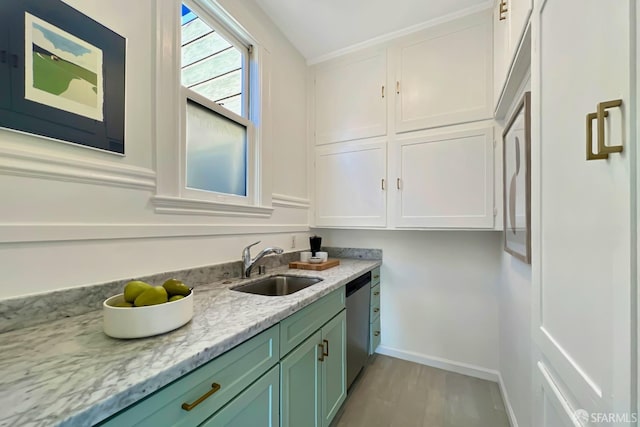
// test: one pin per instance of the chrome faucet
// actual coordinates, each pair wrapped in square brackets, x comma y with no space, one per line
[248,263]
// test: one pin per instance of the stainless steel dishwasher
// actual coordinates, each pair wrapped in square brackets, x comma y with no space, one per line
[358,296]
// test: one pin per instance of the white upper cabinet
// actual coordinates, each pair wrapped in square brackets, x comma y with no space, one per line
[350,187]
[510,20]
[501,55]
[517,15]
[445,180]
[444,74]
[351,98]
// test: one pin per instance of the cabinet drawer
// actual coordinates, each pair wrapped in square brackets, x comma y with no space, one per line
[233,372]
[259,405]
[374,335]
[297,327]
[375,276]
[375,303]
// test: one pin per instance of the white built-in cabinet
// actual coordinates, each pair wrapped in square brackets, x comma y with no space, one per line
[350,184]
[445,180]
[350,98]
[510,19]
[394,145]
[584,213]
[443,75]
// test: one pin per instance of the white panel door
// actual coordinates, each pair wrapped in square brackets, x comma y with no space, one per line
[584,230]
[445,180]
[444,74]
[351,98]
[350,187]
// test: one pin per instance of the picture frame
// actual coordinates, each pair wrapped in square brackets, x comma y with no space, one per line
[62,75]
[516,178]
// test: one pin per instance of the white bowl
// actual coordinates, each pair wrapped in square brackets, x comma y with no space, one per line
[138,322]
[315,260]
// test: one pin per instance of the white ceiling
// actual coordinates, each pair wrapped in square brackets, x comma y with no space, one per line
[320,27]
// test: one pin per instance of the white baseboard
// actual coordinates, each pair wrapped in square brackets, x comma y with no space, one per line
[440,363]
[507,403]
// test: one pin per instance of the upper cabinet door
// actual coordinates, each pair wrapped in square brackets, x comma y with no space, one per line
[351,98]
[517,15]
[444,74]
[351,184]
[501,52]
[445,180]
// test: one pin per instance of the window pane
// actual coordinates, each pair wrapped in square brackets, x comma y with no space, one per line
[216,152]
[211,65]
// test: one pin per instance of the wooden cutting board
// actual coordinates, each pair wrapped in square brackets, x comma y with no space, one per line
[308,266]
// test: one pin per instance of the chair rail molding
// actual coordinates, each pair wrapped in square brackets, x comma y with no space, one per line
[37,164]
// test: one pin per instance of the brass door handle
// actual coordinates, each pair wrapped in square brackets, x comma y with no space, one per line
[603,149]
[189,406]
[327,345]
[321,358]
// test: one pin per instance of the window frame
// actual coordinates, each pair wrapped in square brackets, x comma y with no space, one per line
[221,22]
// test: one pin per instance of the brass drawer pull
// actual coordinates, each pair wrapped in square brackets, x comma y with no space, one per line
[377,276]
[321,358]
[214,388]
[376,310]
[376,333]
[383,91]
[383,183]
[327,345]
[376,293]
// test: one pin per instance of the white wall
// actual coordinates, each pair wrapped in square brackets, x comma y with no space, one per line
[72,216]
[516,357]
[439,294]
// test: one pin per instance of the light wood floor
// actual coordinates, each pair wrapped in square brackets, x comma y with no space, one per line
[393,392]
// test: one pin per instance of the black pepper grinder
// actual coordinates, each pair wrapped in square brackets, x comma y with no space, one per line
[315,242]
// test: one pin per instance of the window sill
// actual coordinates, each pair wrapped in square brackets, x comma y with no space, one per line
[182,206]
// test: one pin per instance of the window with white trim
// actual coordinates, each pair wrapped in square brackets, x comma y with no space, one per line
[218,134]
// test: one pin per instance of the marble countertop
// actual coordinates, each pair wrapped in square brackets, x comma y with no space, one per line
[69,373]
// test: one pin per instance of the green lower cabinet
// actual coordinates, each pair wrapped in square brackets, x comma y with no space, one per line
[300,385]
[334,367]
[314,377]
[257,406]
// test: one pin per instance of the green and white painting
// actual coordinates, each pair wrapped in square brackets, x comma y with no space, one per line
[61,70]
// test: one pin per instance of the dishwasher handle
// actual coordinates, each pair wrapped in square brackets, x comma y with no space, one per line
[356,284]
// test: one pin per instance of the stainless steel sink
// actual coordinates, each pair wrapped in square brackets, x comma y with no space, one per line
[277,285]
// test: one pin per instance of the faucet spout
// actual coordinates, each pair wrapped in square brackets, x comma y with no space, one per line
[248,263]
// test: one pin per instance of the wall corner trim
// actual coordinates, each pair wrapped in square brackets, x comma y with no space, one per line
[38,164]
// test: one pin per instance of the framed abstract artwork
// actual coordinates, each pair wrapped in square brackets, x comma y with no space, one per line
[516,141]
[62,75]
